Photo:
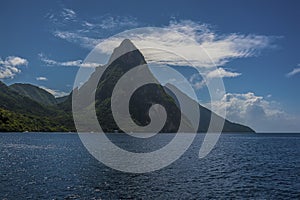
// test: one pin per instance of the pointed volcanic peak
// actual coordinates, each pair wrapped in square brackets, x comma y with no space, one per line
[125,47]
[124,58]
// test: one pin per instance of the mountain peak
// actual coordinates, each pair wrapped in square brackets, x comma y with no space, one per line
[127,44]
[125,47]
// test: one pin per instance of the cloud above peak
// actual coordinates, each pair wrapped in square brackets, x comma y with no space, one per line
[195,42]
[9,67]
[188,41]
[180,43]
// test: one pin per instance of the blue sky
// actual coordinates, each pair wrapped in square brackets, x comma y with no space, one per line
[44,42]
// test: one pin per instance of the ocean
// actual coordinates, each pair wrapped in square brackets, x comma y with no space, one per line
[57,166]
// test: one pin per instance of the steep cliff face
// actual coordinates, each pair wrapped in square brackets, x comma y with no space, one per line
[124,58]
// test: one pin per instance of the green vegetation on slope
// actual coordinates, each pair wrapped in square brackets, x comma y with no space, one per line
[34,92]
[15,122]
[21,113]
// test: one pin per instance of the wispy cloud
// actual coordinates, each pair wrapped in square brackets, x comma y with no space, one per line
[196,42]
[41,78]
[56,93]
[294,71]
[113,22]
[78,38]
[193,41]
[9,67]
[70,26]
[199,81]
[64,16]
[73,63]
[68,14]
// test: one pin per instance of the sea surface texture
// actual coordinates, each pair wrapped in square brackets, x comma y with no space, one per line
[57,166]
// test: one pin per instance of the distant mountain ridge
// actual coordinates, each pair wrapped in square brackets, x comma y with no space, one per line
[25,107]
[19,112]
[10,99]
[36,93]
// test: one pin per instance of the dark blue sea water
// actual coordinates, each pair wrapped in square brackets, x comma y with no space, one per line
[57,166]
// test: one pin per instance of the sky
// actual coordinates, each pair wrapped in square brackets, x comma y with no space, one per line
[253,44]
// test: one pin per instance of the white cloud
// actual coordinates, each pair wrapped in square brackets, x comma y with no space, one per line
[194,44]
[68,14]
[16,61]
[54,92]
[75,63]
[191,41]
[293,72]
[221,73]
[105,22]
[84,41]
[199,81]
[242,103]
[41,78]
[200,84]
[112,22]
[259,113]
[87,32]
[10,66]
[84,35]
